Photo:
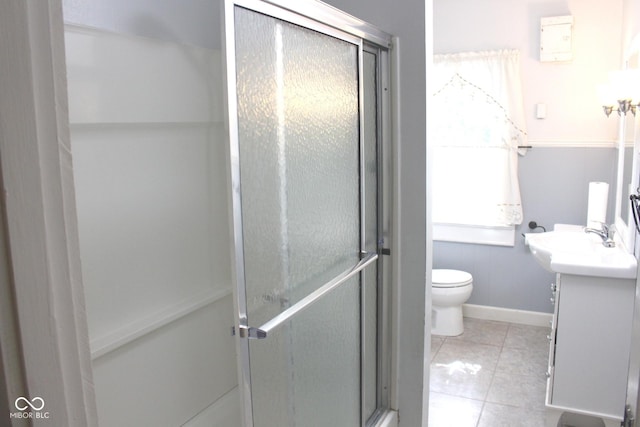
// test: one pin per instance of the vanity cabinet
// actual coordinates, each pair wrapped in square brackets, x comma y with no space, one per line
[589,347]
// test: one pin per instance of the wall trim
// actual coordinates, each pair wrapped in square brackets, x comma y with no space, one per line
[474,234]
[555,143]
[522,317]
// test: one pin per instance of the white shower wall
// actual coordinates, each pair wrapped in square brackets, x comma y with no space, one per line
[148,148]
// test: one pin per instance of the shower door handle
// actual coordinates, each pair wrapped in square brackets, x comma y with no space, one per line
[264,330]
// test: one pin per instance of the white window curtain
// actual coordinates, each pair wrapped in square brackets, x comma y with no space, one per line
[478,124]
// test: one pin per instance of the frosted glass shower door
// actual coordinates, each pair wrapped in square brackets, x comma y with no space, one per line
[301,245]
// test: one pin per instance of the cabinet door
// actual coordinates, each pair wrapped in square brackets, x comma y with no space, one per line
[593,328]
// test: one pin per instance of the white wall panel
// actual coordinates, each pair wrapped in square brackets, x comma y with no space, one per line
[128,79]
[225,412]
[148,146]
[194,21]
[152,231]
[171,374]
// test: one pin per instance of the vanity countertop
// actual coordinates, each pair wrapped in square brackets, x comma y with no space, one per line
[569,250]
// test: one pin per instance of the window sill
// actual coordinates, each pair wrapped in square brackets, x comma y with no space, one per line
[483,235]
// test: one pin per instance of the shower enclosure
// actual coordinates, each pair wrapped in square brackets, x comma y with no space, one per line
[307,112]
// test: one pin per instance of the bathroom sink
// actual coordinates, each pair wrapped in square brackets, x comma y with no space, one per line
[570,250]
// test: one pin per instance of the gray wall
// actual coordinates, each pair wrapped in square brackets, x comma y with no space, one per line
[554,186]
[572,146]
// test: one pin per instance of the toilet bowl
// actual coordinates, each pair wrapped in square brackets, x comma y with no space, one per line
[449,290]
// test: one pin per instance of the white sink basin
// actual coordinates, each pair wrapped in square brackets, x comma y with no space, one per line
[572,251]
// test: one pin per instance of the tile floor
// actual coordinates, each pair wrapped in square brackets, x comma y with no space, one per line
[493,375]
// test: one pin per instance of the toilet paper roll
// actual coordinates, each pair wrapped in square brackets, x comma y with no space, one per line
[597,207]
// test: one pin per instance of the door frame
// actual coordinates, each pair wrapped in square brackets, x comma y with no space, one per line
[41,226]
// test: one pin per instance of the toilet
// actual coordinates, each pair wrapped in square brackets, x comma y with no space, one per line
[449,290]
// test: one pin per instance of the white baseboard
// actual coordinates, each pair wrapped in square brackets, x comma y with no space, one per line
[523,317]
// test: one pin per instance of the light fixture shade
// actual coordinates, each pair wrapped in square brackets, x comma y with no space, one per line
[605,95]
[625,85]
[634,85]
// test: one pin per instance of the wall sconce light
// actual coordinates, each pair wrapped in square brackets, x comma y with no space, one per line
[621,93]
[624,106]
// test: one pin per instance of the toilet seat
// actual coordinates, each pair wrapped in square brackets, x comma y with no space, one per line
[443,278]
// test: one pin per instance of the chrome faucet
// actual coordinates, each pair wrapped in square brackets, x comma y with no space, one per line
[606,234]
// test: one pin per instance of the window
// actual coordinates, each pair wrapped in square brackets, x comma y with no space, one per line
[478,126]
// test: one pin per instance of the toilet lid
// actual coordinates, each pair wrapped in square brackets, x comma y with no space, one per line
[450,278]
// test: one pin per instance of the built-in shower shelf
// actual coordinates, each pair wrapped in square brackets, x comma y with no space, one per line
[131,332]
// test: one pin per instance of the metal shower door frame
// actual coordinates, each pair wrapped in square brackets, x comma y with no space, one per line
[327,20]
